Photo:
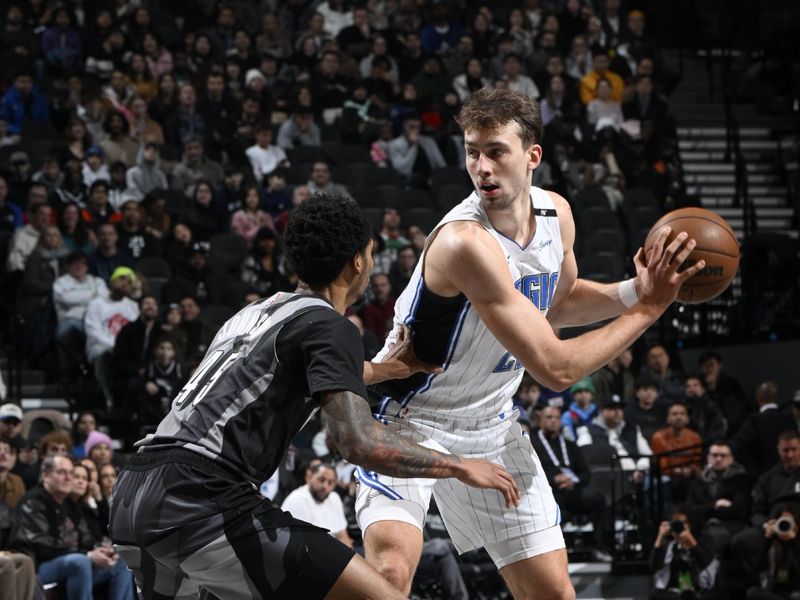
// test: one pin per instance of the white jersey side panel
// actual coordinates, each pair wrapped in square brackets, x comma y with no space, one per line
[480,376]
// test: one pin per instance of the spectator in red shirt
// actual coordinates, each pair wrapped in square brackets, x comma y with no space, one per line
[378,313]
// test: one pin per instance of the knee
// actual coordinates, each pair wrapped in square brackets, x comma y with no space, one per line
[565,592]
[394,569]
[77,564]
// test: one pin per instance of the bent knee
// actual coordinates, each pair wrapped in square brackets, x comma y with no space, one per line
[77,562]
[394,570]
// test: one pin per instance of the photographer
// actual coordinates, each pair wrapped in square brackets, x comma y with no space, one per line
[684,567]
[770,491]
[781,563]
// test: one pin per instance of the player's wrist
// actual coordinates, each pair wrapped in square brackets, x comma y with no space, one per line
[628,292]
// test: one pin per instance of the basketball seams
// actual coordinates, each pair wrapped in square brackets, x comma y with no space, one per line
[725,227]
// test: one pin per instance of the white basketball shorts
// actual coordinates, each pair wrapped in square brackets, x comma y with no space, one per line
[474,517]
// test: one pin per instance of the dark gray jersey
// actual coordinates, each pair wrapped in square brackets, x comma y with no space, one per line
[259,381]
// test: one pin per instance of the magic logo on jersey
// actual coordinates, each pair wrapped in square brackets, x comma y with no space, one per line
[539,288]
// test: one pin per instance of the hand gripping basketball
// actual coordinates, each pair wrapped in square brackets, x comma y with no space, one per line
[659,279]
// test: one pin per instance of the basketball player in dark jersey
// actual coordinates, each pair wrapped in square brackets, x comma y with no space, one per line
[187,516]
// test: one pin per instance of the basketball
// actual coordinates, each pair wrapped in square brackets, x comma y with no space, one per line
[716,244]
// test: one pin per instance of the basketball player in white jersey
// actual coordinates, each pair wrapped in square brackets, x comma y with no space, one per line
[497,275]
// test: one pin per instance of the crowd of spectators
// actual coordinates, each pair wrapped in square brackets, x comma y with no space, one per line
[150,154]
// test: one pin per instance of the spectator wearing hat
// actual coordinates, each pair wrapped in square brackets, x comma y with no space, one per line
[23,102]
[72,293]
[568,474]
[647,411]
[582,409]
[11,422]
[134,239]
[99,448]
[197,279]
[12,488]
[680,450]
[26,237]
[609,427]
[93,166]
[264,156]
[195,167]
[147,175]
[414,155]
[105,317]
[299,130]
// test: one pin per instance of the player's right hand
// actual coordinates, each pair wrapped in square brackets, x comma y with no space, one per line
[662,279]
[480,473]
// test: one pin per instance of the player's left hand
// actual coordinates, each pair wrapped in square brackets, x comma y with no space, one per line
[403,359]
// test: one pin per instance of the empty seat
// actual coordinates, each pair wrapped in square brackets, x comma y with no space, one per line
[368,197]
[605,268]
[297,174]
[375,217]
[602,240]
[329,133]
[306,154]
[350,153]
[591,219]
[452,194]
[215,315]
[397,197]
[154,267]
[235,293]
[177,202]
[425,218]
[448,175]
[642,217]
[640,197]
[367,174]
[591,197]
[227,252]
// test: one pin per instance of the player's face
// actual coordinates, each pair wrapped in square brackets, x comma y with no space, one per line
[362,280]
[499,165]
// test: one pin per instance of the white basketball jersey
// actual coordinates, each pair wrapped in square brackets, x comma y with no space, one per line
[480,376]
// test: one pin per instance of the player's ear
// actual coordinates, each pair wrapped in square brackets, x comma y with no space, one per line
[534,156]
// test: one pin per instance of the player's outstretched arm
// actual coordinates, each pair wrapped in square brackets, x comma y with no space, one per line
[365,442]
[466,258]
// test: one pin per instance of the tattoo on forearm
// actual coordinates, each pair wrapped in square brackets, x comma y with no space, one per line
[357,433]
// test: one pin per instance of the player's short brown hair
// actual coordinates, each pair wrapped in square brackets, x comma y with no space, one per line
[491,108]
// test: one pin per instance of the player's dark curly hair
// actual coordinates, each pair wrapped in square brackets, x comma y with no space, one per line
[323,233]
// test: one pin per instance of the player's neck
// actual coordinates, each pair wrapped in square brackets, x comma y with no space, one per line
[515,221]
[333,293]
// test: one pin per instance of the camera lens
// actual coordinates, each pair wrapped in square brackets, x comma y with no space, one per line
[783,525]
[677,526]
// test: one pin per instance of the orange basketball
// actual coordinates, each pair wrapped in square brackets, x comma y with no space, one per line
[716,244]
